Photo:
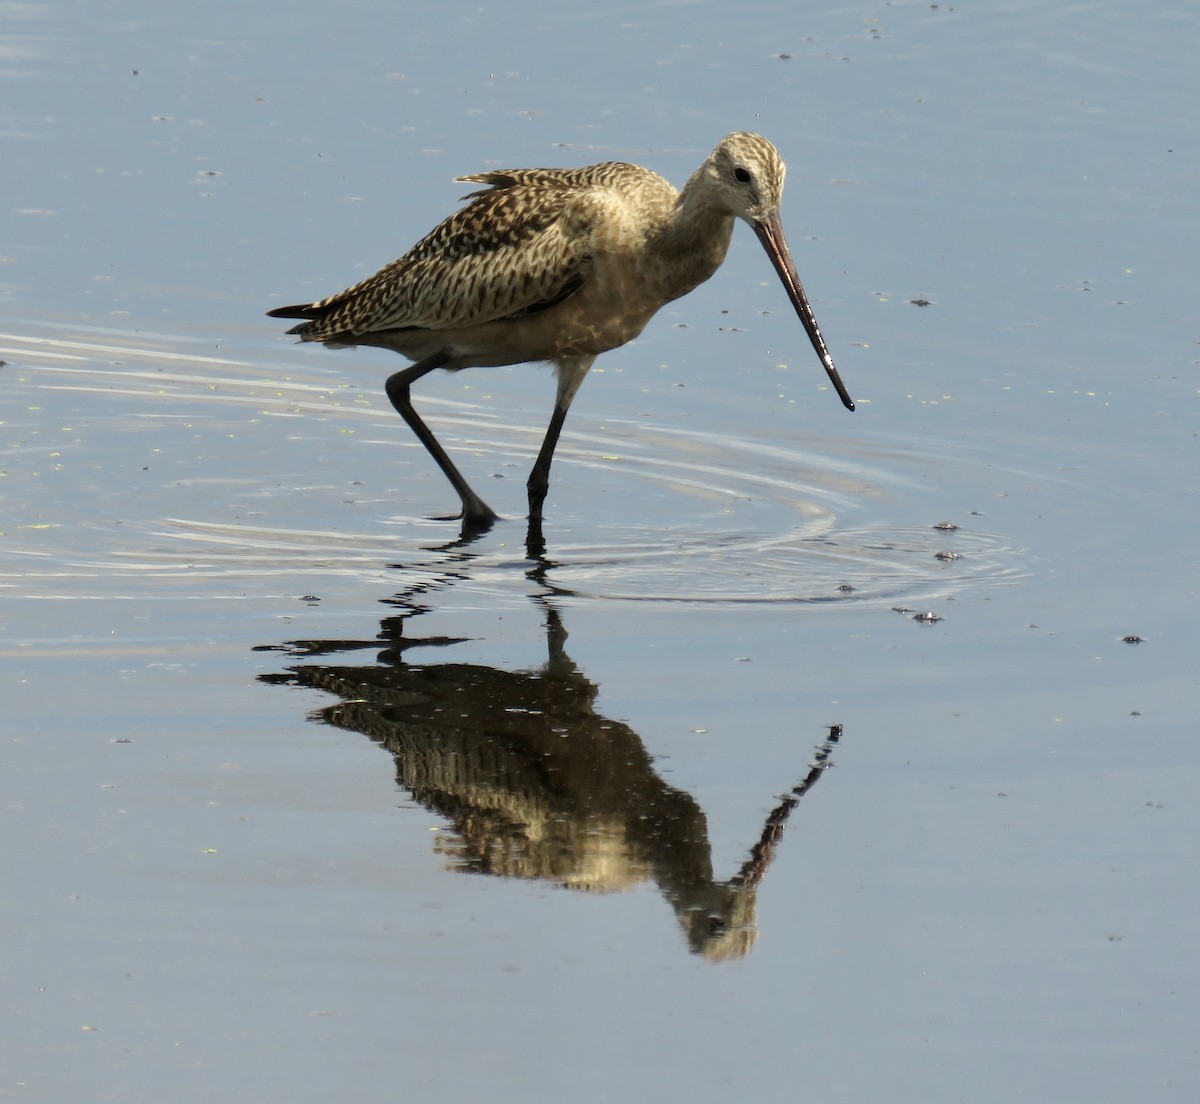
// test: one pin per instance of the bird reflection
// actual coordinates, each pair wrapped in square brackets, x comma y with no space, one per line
[534,783]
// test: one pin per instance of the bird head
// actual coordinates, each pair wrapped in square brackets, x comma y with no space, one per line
[747,173]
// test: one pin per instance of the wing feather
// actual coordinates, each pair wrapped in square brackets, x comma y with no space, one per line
[520,245]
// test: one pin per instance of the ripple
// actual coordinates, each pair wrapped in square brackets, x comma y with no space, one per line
[859,565]
[640,509]
[772,522]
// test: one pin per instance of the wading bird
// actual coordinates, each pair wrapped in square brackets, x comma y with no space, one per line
[557,265]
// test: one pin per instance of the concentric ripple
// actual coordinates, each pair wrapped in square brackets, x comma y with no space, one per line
[200,471]
[767,522]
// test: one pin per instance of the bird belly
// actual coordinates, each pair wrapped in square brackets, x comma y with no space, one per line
[589,323]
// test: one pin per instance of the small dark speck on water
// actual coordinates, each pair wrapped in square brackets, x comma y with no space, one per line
[928,618]
[309,598]
[845,588]
[1133,640]
[921,302]
[945,527]
[947,555]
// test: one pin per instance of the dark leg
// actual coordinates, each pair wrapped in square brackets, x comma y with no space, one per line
[539,484]
[539,478]
[570,372]
[477,515]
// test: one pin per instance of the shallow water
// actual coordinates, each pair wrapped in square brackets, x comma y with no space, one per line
[308,799]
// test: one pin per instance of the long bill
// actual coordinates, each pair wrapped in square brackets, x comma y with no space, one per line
[770,233]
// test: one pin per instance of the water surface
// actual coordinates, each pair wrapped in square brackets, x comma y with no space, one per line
[308,800]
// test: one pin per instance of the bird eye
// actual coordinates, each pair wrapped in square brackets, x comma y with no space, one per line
[742,176]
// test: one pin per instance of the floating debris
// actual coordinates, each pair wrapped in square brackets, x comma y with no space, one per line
[945,527]
[928,618]
[949,556]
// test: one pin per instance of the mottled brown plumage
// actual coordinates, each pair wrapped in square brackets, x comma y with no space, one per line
[557,265]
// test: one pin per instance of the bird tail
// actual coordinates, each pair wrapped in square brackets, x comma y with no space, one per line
[309,311]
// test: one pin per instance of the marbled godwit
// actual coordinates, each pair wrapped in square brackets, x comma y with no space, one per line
[557,265]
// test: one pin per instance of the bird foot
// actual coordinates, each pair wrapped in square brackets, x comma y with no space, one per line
[535,541]
[475,522]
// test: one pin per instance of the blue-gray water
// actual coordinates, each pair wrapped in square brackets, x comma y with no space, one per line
[294,807]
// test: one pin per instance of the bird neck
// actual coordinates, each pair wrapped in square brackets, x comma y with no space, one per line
[697,234]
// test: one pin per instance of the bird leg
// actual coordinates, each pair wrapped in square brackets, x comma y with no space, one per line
[571,372]
[477,515]
[538,483]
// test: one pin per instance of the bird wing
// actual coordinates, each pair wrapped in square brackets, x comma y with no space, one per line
[519,246]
